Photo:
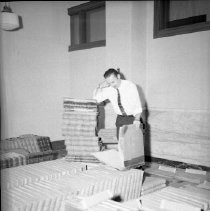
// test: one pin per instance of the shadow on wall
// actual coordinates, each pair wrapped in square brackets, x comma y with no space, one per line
[20,24]
[101,116]
[145,127]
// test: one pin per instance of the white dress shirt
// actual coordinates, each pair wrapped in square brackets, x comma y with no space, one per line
[129,97]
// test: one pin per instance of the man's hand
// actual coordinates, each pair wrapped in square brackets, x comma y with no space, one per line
[103,84]
[137,117]
[99,89]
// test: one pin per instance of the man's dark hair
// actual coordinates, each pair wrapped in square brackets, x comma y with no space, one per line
[110,72]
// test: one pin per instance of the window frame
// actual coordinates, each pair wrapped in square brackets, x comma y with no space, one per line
[81,10]
[161,17]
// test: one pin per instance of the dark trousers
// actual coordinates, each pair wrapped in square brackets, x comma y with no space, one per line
[123,120]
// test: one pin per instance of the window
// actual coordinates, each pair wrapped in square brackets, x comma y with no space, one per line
[180,17]
[87,26]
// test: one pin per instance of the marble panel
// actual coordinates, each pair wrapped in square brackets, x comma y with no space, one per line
[179,135]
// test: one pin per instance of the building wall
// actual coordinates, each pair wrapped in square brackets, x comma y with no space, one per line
[178,95]
[172,75]
[178,69]
[35,70]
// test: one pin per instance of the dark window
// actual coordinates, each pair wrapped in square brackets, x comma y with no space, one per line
[180,17]
[88,26]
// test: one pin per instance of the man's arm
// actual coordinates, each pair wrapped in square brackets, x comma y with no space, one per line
[136,102]
[99,94]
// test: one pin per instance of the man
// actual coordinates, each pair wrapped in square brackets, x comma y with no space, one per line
[123,95]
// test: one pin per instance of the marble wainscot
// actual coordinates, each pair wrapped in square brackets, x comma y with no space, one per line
[179,135]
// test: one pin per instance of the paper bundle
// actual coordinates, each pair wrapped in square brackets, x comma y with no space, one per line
[25,149]
[12,159]
[79,129]
[30,142]
[32,197]
[111,205]
[159,170]
[108,138]
[50,194]
[83,203]
[24,175]
[9,143]
[191,176]
[124,184]
[130,151]
[196,199]
[102,205]
[152,184]
[108,135]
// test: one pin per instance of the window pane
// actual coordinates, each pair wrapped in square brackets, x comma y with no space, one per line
[75,29]
[95,23]
[188,8]
[174,17]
